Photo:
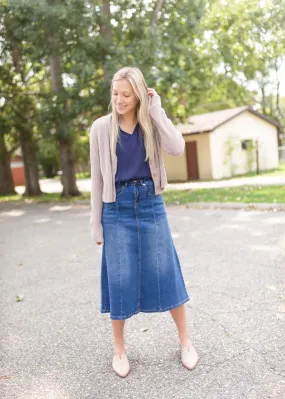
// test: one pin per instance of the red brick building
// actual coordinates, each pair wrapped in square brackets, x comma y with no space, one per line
[17,168]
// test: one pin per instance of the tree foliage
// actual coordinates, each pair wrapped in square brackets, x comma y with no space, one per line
[57,58]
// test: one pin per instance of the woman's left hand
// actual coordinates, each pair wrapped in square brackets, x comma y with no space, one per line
[151,92]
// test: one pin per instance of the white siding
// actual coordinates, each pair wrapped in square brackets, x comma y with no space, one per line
[16,164]
[229,159]
[176,167]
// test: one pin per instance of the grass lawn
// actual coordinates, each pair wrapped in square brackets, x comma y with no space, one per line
[47,197]
[276,172]
[273,172]
[241,194]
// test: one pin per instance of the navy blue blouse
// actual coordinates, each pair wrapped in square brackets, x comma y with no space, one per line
[131,155]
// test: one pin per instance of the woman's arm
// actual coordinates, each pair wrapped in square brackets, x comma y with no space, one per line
[171,140]
[96,188]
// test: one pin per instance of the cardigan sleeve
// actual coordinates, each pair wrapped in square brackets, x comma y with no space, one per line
[170,139]
[96,187]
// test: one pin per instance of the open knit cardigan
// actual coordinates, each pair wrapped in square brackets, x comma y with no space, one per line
[103,170]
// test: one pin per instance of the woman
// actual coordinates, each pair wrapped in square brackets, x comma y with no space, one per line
[140,269]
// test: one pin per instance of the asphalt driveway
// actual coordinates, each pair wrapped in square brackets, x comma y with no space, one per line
[56,344]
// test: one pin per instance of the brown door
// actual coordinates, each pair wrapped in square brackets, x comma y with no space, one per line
[192,160]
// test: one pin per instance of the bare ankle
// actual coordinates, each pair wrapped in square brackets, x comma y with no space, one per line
[184,339]
[119,348]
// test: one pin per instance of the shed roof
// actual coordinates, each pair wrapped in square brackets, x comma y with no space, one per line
[205,123]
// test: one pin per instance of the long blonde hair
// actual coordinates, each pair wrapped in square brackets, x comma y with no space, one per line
[136,79]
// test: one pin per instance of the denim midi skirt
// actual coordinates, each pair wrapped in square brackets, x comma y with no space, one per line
[140,269]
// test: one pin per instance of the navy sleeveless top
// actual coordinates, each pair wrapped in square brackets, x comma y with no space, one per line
[131,155]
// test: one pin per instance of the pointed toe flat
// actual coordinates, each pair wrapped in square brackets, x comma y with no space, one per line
[121,364]
[189,356]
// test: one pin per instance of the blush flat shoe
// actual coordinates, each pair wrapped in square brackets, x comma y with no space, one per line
[189,356]
[121,364]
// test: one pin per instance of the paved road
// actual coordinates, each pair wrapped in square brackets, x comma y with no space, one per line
[57,345]
[54,186]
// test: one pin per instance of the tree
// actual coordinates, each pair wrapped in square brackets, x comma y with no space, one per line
[14,79]
[249,40]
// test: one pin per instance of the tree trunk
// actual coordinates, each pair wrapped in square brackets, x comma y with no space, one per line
[6,178]
[263,102]
[64,138]
[29,150]
[107,34]
[67,163]
[278,108]
[157,8]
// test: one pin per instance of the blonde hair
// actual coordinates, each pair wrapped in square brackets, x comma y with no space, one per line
[136,79]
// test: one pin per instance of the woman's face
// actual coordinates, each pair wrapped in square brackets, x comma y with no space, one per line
[123,97]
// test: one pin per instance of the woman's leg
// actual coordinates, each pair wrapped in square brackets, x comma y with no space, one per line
[118,333]
[189,355]
[179,317]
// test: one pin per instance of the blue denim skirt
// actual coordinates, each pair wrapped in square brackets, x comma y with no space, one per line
[140,269]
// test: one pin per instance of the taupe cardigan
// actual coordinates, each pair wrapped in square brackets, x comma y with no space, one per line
[103,170]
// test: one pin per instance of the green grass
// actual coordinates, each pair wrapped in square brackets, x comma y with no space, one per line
[46,197]
[266,173]
[83,175]
[242,194]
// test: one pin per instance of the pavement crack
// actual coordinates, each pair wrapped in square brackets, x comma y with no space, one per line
[217,323]
[227,359]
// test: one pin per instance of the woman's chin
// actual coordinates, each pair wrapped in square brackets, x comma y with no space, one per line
[122,111]
[125,111]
